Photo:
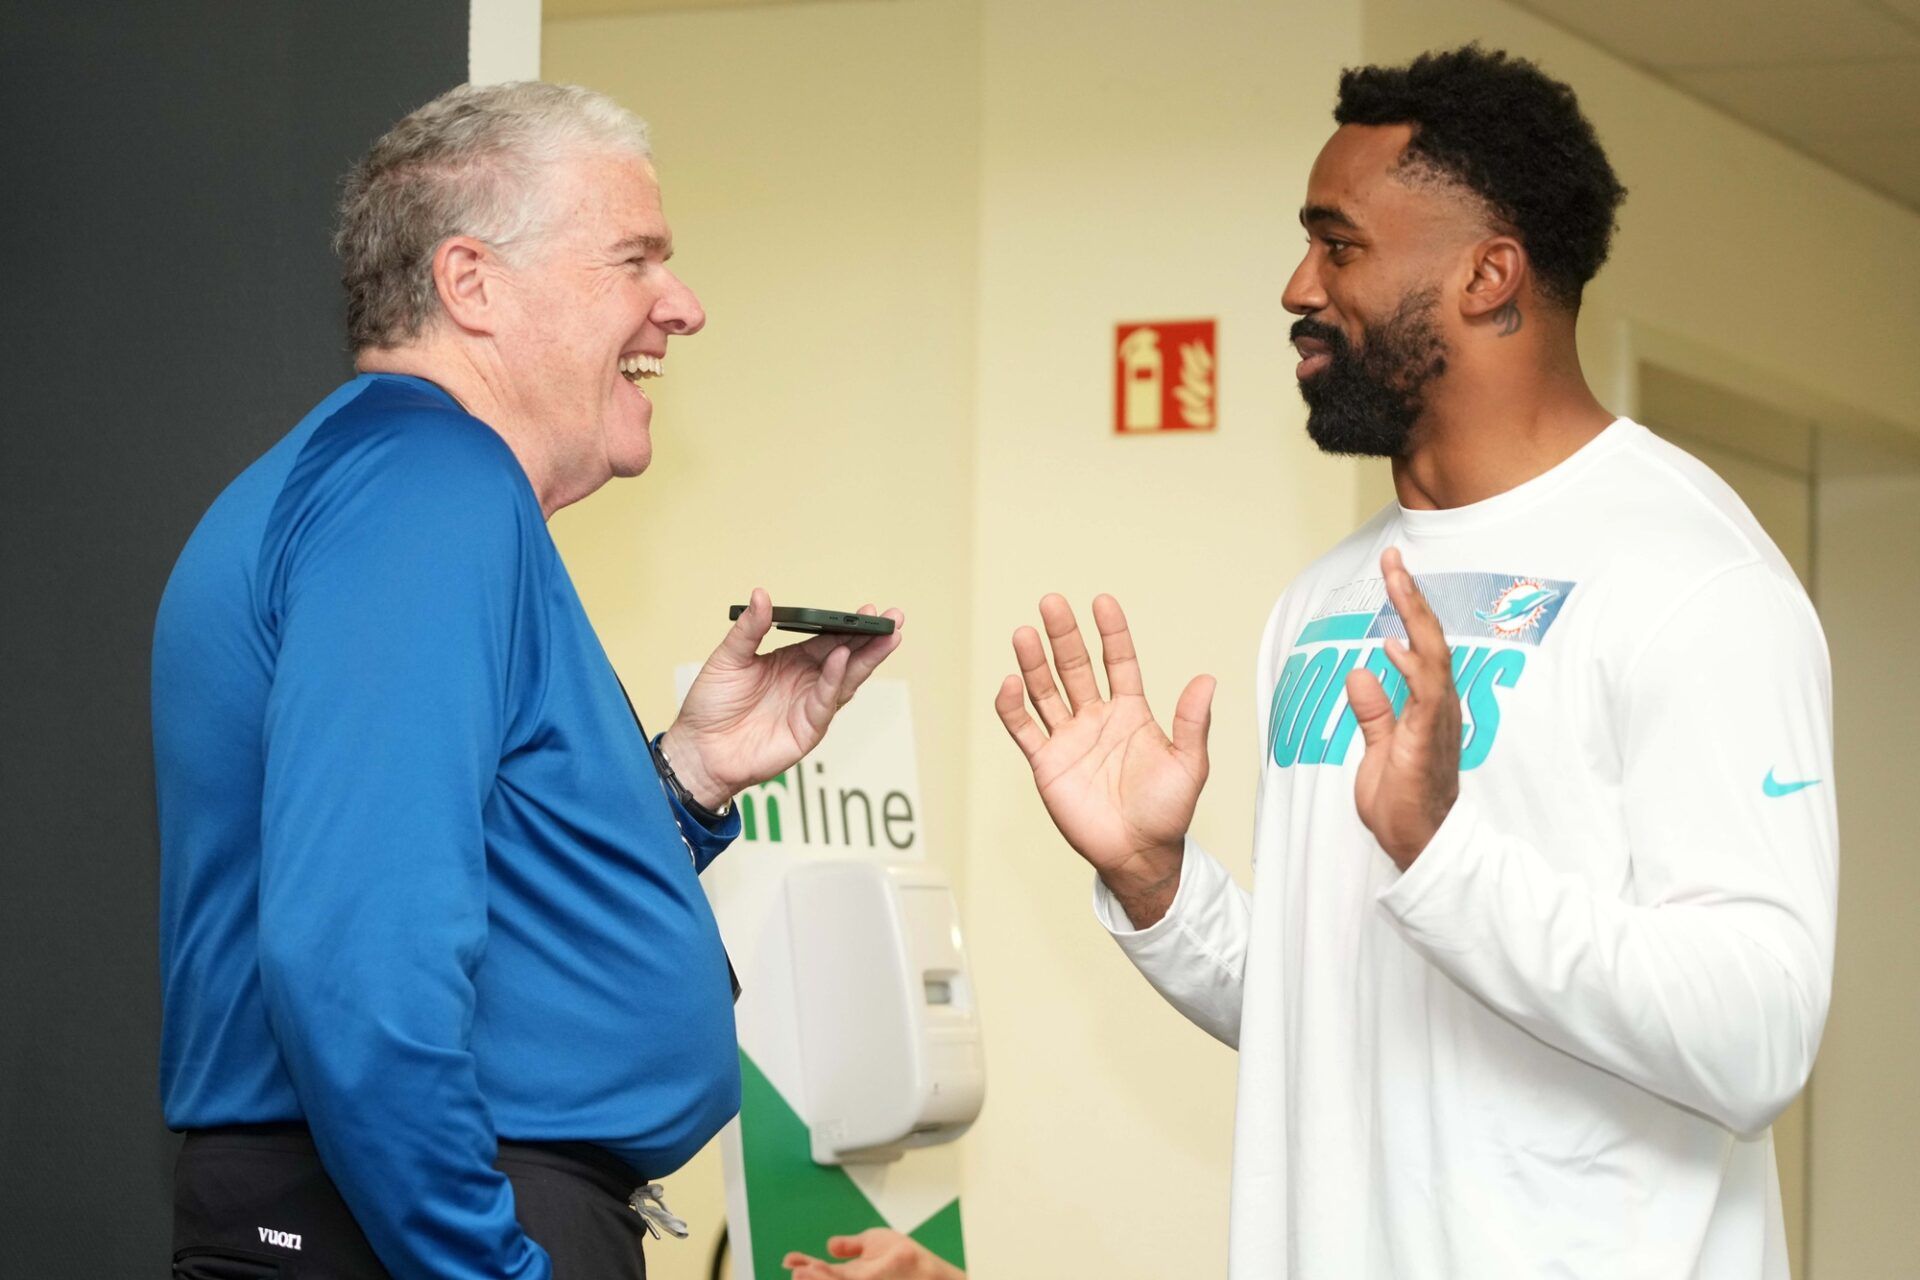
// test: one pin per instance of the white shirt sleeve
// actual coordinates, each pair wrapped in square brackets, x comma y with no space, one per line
[1196,954]
[1707,980]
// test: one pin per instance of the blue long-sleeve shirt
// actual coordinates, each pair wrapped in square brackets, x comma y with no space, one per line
[421,886]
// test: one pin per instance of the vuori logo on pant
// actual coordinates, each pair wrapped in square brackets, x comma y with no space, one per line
[279,1239]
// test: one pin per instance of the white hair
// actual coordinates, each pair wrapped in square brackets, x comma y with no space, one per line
[476,161]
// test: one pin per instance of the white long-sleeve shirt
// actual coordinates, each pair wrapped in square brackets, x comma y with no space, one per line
[1554,1045]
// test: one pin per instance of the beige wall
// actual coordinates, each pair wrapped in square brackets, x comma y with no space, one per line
[1138,161]
[817,439]
[915,224]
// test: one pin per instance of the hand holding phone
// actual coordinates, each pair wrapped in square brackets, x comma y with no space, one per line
[749,715]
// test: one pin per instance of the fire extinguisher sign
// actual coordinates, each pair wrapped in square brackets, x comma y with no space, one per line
[1165,377]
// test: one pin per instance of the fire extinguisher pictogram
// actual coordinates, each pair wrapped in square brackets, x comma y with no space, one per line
[1147,397]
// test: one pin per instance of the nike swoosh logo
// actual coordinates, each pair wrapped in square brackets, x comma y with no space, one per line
[1777,789]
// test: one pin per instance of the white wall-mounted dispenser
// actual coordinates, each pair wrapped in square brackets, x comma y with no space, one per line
[889,1030]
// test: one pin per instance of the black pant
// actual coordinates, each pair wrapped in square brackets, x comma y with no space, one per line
[254,1203]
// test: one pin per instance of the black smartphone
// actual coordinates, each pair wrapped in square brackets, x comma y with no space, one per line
[830,621]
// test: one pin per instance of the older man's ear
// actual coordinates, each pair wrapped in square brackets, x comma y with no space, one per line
[466,276]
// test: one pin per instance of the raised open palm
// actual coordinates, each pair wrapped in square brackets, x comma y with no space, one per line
[1119,789]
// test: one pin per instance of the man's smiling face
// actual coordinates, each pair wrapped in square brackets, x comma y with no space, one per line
[594,306]
[1371,290]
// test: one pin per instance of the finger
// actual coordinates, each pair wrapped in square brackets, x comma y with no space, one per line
[1027,735]
[1070,657]
[1401,657]
[804,1264]
[1192,716]
[816,648]
[866,657]
[1424,633]
[1371,706]
[742,640]
[863,662]
[1116,649]
[847,1246]
[1039,679]
[824,698]
[820,646]
[1430,693]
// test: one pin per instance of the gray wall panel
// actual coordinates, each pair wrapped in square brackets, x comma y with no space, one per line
[167,172]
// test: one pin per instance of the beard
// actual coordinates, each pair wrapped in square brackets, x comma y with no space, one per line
[1365,402]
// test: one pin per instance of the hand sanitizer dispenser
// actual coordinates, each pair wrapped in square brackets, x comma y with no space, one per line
[889,1033]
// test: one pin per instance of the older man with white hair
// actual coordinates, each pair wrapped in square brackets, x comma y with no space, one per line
[441,988]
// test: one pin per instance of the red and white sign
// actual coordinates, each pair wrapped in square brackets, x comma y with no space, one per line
[1165,377]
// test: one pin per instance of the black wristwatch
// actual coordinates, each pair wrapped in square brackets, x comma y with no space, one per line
[704,816]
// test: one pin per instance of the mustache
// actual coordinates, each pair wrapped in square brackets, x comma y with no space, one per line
[1336,340]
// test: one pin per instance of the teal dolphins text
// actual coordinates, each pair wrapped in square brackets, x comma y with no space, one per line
[1302,727]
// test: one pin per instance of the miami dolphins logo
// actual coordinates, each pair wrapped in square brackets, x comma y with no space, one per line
[1518,609]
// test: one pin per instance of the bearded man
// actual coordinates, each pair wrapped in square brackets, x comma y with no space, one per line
[441,986]
[1541,934]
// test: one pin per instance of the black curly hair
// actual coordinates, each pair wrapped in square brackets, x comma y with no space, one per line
[1502,129]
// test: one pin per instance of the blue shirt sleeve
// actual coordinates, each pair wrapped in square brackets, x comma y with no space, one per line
[400,578]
